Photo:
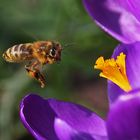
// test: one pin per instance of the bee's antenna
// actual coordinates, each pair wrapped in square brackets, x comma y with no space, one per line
[68,45]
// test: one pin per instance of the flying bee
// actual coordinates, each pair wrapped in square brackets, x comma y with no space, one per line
[36,54]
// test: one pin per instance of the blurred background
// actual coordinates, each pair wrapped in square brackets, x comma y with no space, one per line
[73,79]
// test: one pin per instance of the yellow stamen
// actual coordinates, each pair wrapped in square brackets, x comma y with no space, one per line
[114,70]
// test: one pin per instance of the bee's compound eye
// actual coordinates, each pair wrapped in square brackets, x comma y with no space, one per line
[52,52]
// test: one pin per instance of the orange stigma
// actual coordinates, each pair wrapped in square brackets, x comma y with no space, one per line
[114,70]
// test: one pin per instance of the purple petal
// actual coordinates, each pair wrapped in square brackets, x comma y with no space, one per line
[132,6]
[62,128]
[132,52]
[38,117]
[78,117]
[114,19]
[123,121]
[51,119]
[114,91]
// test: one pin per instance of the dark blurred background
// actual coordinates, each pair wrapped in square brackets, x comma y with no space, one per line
[73,79]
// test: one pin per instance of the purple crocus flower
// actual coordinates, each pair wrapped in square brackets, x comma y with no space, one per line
[120,18]
[50,119]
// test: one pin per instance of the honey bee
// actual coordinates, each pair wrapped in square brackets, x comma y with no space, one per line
[36,54]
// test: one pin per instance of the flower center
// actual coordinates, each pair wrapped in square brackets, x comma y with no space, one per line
[114,70]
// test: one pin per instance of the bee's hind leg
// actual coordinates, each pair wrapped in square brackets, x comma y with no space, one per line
[33,70]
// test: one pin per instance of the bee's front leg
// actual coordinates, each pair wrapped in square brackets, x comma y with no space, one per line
[33,70]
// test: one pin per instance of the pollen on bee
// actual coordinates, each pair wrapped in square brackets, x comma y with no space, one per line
[114,70]
[31,74]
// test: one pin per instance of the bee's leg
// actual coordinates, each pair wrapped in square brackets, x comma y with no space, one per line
[33,70]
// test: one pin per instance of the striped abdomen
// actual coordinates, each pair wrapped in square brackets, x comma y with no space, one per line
[18,53]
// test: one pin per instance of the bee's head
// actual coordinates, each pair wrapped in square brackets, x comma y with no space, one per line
[55,51]
[52,51]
